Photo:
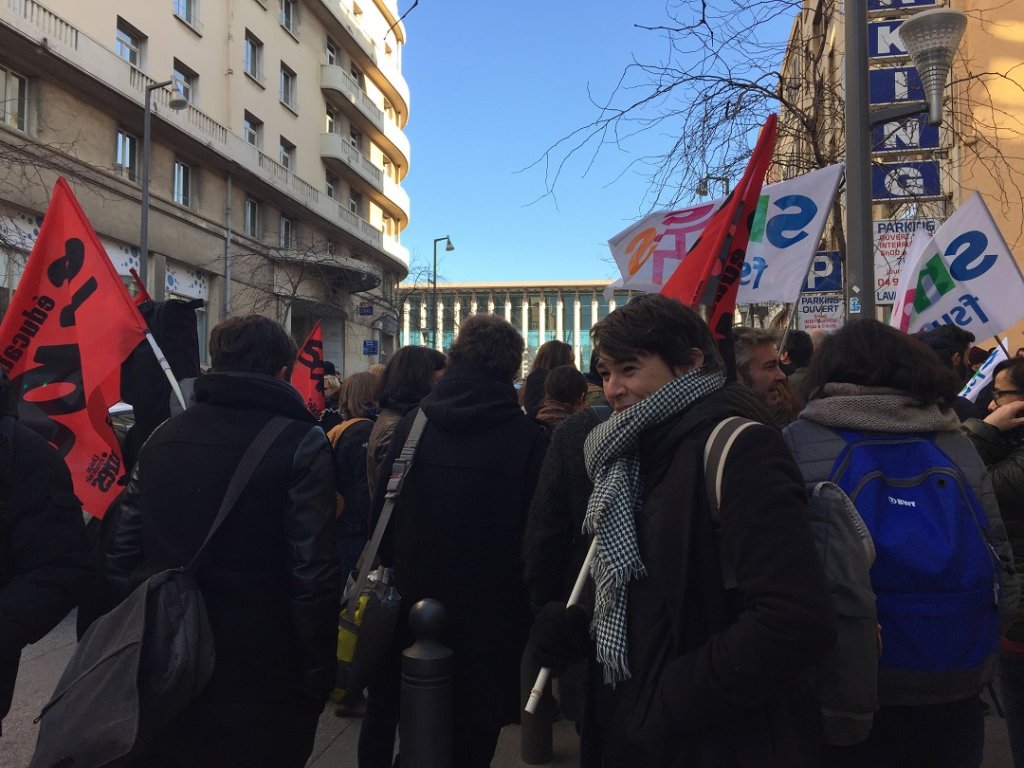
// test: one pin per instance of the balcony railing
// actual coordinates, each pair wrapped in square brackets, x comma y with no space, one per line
[37,23]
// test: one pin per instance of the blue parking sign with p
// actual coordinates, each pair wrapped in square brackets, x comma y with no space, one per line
[825,274]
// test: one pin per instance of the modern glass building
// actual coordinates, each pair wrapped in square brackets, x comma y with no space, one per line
[540,311]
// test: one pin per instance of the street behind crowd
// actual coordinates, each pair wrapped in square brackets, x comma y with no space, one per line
[335,746]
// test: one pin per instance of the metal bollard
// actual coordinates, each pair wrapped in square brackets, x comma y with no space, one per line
[426,730]
[536,740]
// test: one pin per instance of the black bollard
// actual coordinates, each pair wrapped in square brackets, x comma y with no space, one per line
[426,731]
[536,738]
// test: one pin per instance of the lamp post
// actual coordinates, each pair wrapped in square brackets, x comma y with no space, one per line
[433,281]
[702,185]
[931,38]
[177,102]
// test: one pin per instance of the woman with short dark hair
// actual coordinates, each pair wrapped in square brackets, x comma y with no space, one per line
[550,355]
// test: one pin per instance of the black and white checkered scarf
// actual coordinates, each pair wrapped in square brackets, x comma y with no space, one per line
[611,452]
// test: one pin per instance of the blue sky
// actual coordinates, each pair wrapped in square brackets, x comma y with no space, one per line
[493,84]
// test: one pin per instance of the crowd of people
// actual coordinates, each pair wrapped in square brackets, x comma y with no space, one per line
[699,635]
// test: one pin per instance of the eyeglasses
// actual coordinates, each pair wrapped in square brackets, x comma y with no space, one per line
[1000,394]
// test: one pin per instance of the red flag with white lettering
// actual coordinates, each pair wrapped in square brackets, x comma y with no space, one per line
[308,372]
[70,326]
[710,273]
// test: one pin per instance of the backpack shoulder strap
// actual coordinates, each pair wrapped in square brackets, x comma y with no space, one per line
[716,450]
[335,432]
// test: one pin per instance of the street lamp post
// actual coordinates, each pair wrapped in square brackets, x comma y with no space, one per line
[702,185]
[931,38]
[177,102]
[433,281]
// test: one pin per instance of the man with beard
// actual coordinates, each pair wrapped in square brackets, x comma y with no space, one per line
[951,343]
[757,366]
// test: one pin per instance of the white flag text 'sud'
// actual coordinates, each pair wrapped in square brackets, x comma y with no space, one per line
[784,237]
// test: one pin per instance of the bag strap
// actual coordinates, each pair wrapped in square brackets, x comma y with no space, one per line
[716,450]
[335,433]
[399,471]
[243,473]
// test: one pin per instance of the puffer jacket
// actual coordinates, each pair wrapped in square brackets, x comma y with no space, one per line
[1003,453]
[816,448]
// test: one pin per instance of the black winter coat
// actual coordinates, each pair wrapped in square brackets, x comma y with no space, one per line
[270,581]
[45,560]
[716,674]
[457,530]
[350,477]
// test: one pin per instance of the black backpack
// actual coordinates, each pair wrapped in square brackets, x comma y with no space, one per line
[139,665]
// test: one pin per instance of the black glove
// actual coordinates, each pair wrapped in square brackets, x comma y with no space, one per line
[559,636]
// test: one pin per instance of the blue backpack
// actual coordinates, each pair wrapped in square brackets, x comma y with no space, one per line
[936,577]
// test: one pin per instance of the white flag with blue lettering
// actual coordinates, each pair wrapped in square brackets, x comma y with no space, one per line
[983,375]
[966,276]
[784,237]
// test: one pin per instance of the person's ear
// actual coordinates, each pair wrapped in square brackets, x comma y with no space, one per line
[282,374]
[697,362]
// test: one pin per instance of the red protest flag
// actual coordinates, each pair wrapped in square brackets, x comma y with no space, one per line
[70,326]
[710,273]
[308,371]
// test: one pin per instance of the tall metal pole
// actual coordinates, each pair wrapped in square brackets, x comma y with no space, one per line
[860,250]
[433,299]
[144,230]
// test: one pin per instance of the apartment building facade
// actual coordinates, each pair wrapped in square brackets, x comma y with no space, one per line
[920,174]
[277,189]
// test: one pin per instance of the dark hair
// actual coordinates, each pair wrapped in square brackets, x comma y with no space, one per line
[800,347]
[356,397]
[592,376]
[872,354]
[1015,365]
[652,324]
[565,384]
[491,343]
[253,344]
[946,341]
[552,354]
[745,341]
[409,375]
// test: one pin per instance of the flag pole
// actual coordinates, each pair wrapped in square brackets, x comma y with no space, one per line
[167,368]
[577,592]
[1002,347]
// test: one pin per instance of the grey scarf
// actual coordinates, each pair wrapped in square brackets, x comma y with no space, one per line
[612,459]
[877,409]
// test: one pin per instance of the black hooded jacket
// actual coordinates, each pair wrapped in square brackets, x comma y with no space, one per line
[457,529]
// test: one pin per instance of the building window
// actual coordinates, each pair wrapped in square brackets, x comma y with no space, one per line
[185,80]
[253,57]
[290,15]
[355,138]
[331,186]
[288,88]
[287,232]
[331,50]
[358,76]
[253,219]
[128,43]
[389,111]
[287,154]
[332,247]
[331,122]
[12,94]
[252,130]
[127,154]
[183,178]
[355,202]
[187,11]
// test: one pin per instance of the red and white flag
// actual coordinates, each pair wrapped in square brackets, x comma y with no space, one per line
[709,274]
[308,371]
[70,326]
